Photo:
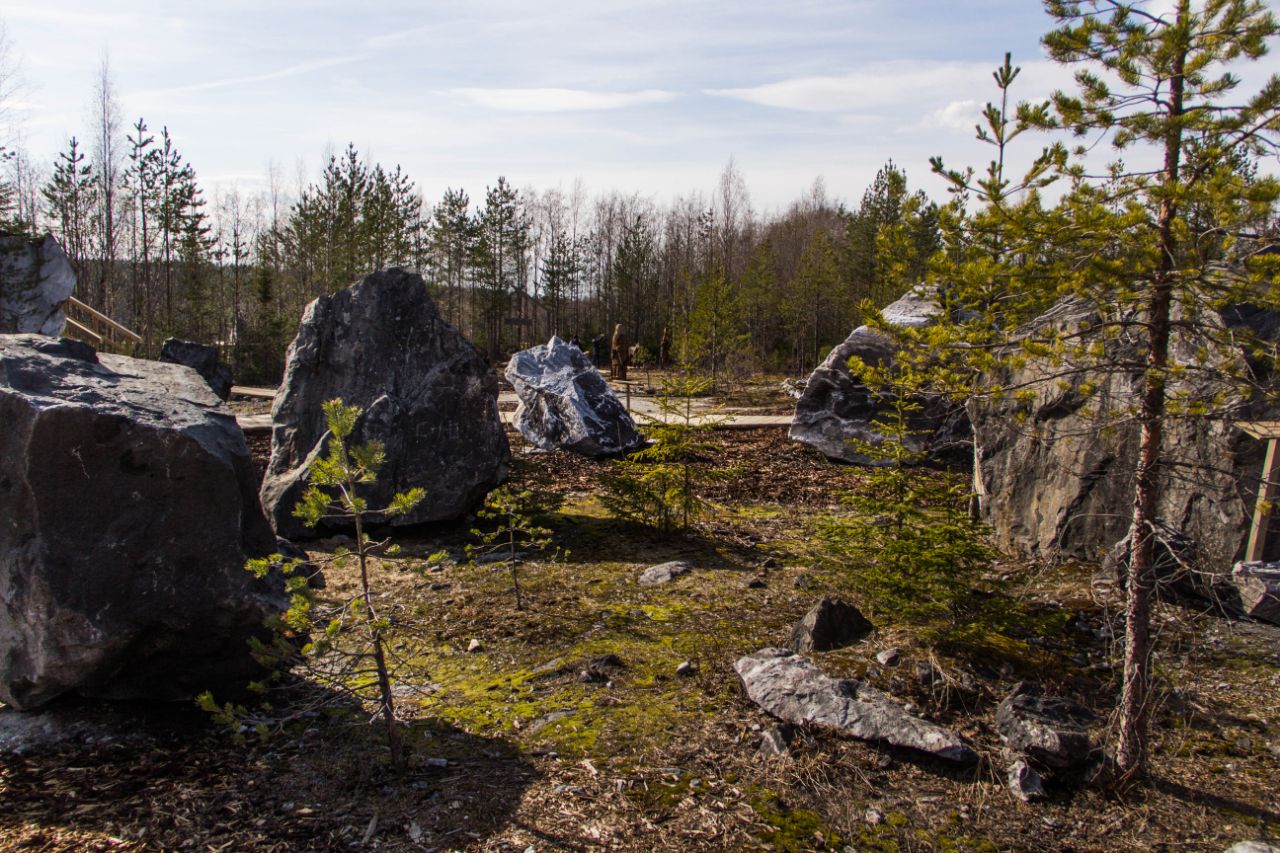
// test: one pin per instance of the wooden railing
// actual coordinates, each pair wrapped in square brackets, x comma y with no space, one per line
[97,329]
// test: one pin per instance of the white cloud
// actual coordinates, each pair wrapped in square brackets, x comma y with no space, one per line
[876,86]
[958,115]
[559,100]
[230,82]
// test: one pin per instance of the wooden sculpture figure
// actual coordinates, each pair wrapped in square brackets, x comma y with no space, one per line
[619,353]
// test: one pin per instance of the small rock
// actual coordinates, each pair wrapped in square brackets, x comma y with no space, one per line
[769,563]
[1049,730]
[889,657]
[1024,782]
[664,572]
[755,583]
[829,624]
[475,646]
[1252,847]
[927,674]
[686,668]
[438,586]
[438,762]
[776,742]
[873,816]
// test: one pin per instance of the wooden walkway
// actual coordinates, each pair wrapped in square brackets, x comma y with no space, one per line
[262,423]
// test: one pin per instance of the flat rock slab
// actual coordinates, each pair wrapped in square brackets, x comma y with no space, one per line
[1046,729]
[565,404]
[128,509]
[664,572]
[427,396]
[792,689]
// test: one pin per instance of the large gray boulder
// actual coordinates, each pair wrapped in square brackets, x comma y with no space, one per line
[565,404]
[836,411]
[203,359]
[128,509]
[790,688]
[427,394]
[1055,472]
[35,279]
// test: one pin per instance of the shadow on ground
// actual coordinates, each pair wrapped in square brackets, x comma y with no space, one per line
[82,773]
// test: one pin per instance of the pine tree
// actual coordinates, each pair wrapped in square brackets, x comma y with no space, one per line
[72,196]
[1122,240]
[716,339]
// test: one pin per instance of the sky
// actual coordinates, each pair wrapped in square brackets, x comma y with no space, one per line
[644,96]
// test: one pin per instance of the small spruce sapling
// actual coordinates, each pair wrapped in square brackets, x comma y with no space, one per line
[912,547]
[515,534]
[659,486]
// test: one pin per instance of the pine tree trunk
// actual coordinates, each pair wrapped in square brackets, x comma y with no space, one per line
[1135,706]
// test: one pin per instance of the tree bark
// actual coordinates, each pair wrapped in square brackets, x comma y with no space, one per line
[1135,706]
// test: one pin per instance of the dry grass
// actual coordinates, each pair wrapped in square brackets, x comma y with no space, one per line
[647,760]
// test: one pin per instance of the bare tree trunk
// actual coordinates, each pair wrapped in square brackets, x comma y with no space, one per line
[1135,705]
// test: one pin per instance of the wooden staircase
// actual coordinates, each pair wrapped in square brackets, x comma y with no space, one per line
[97,329]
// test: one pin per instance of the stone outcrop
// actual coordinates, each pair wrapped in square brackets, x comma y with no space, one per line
[565,404]
[426,393]
[829,624]
[1055,474]
[35,279]
[795,691]
[836,410]
[201,358]
[127,512]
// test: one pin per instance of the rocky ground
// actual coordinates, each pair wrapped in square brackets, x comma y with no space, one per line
[514,748]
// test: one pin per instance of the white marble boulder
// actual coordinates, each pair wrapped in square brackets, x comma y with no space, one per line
[35,279]
[565,404]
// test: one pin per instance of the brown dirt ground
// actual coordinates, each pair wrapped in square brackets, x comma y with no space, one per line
[649,761]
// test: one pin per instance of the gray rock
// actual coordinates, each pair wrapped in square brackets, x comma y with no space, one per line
[686,668]
[1024,782]
[776,742]
[35,279]
[1252,847]
[565,404]
[1258,587]
[664,572]
[427,394]
[889,657]
[836,409]
[475,646]
[1049,730]
[1053,484]
[127,513]
[829,624]
[790,688]
[201,358]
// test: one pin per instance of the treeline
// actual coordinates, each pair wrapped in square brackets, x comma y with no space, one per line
[735,291]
